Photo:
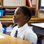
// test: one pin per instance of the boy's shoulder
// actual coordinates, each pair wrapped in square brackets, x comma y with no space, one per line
[15,27]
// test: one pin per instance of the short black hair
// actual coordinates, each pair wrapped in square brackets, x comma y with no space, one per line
[26,11]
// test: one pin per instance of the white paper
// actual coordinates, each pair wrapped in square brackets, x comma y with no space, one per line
[9,29]
[39,24]
[1,37]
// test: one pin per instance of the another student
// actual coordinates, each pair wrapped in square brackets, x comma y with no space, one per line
[21,16]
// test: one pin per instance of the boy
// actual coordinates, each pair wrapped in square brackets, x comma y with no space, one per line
[21,17]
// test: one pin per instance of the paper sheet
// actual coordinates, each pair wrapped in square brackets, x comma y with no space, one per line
[39,24]
[1,37]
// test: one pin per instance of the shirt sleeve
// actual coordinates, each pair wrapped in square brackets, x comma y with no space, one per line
[31,38]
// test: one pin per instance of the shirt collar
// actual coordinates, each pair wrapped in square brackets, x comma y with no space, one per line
[22,28]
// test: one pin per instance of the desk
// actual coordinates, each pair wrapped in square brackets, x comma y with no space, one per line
[38,28]
[12,40]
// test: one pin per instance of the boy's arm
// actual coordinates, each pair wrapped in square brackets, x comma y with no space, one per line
[31,38]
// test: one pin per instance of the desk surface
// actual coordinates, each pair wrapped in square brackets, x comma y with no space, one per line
[38,28]
[12,40]
[41,25]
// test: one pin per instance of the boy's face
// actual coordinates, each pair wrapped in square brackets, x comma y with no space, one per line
[18,16]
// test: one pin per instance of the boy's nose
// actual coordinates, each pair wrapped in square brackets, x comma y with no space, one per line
[14,15]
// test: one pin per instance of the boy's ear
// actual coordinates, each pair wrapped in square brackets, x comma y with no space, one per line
[26,18]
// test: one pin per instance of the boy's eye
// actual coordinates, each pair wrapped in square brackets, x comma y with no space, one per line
[18,14]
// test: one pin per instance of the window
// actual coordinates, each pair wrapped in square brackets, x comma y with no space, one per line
[41,4]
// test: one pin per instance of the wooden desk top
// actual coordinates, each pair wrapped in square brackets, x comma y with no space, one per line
[41,25]
[12,40]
